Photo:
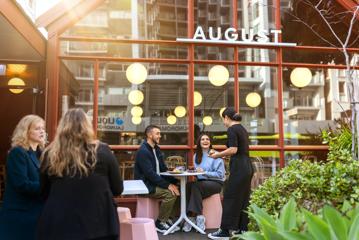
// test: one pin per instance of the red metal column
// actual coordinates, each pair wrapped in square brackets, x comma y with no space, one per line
[280,87]
[236,66]
[190,90]
[95,97]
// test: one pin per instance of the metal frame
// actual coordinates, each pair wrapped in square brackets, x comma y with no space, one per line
[84,7]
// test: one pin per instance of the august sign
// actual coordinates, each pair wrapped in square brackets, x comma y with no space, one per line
[232,36]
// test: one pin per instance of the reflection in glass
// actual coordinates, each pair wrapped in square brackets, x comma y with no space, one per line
[258,103]
[314,107]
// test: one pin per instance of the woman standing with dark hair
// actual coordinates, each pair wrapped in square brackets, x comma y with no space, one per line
[238,188]
[79,176]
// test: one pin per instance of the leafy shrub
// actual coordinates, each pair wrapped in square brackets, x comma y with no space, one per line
[313,185]
[291,224]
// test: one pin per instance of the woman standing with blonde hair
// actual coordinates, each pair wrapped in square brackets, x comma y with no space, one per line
[22,203]
[79,176]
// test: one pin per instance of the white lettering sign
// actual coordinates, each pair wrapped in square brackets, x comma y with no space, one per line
[234,36]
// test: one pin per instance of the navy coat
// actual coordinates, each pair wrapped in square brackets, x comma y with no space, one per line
[145,168]
[22,203]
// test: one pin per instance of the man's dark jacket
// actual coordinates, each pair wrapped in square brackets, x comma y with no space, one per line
[145,168]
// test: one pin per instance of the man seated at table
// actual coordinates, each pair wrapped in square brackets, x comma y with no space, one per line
[148,166]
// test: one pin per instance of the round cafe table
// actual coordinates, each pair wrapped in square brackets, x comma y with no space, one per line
[183,216]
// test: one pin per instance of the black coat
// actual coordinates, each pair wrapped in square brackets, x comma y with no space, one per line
[22,203]
[79,208]
[145,168]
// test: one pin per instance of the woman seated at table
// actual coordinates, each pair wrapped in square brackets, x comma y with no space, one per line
[206,185]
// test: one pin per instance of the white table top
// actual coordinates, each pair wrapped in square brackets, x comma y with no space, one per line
[131,187]
[184,174]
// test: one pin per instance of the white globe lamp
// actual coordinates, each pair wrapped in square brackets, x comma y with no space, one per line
[207,120]
[218,75]
[253,99]
[136,73]
[171,119]
[197,96]
[180,111]
[136,111]
[135,97]
[301,77]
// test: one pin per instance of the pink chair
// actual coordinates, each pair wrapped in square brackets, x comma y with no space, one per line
[138,229]
[212,211]
[123,214]
[147,207]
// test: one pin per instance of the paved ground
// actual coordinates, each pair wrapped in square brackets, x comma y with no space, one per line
[185,236]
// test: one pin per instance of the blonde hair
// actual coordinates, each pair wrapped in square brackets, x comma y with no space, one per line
[73,150]
[20,136]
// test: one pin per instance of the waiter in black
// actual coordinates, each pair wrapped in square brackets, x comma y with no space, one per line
[237,192]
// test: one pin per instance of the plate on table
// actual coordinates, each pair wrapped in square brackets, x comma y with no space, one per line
[175,172]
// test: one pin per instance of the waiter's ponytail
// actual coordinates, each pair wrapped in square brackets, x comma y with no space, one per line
[232,114]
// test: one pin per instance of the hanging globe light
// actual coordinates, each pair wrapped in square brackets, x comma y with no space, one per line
[218,75]
[180,111]
[221,111]
[197,96]
[301,77]
[171,119]
[136,120]
[16,82]
[135,97]
[253,99]
[207,120]
[136,73]
[136,111]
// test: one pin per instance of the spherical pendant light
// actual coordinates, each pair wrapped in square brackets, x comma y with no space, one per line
[136,120]
[16,82]
[207,120]
[180,111]
[218,75]
[253,99]
[136,111]
[171,119]
[301,77]
[135,97]
[136,73]
[197,98]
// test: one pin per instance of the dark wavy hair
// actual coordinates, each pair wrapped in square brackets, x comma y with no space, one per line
[199,151]
[232,114]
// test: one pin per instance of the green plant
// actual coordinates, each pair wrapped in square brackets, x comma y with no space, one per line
[339,141]
[293,224]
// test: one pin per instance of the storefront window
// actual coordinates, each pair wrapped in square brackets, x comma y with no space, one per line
[127,108]
[210,97]
[312,106]
[150,20]
[258,103]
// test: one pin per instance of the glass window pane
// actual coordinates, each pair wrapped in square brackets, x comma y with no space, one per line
[310,108]
[258,103]
[125,108]
[257,55]
[265,163]
[76,85]
[160,20]
[314,156]
[209,99]
[123,50]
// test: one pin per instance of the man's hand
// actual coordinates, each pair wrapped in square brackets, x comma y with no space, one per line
[174,189]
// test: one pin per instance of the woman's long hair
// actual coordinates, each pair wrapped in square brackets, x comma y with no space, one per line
[73,150]
[199,150]
[20,136]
